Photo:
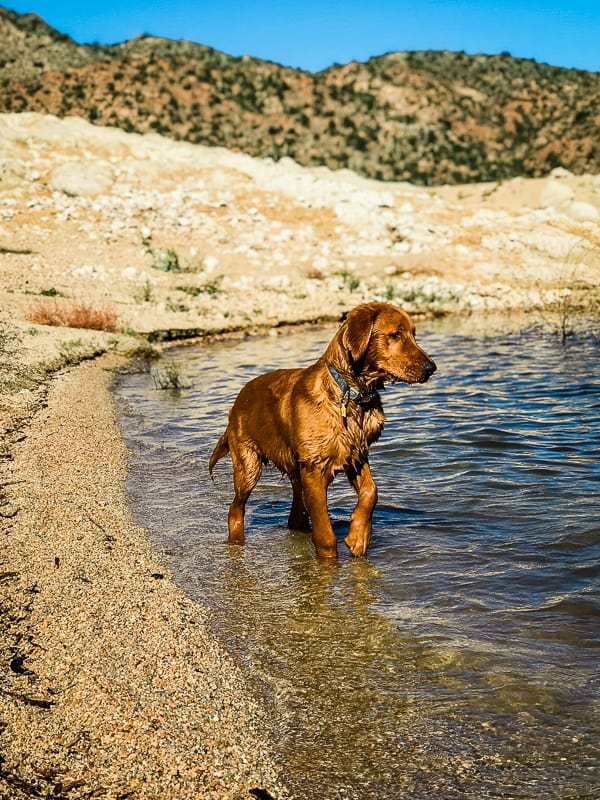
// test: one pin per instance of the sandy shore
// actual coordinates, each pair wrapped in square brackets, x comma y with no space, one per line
[111,685]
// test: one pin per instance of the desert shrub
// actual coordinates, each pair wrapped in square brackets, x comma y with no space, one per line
[167,260]
[575,295]
[144,293]
[175,307]
[73,315]
[349,280]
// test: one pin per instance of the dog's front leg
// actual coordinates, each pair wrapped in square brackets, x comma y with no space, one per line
[314,491]
[359,533]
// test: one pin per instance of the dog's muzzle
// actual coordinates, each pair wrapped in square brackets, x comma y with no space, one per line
[429,368]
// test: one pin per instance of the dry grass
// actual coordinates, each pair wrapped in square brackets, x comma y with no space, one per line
[576,292]
[73,315]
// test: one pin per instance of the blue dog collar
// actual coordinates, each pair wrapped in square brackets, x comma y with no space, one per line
[348,393]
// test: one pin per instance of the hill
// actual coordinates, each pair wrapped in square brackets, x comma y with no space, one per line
[426,117]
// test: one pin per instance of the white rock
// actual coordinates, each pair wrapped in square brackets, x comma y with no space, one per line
[82,179]
[583,211]
[554,194]
[281,282]
[96,271]
[321,263]
[561,172]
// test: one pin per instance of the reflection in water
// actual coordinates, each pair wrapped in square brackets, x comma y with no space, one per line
[460,658]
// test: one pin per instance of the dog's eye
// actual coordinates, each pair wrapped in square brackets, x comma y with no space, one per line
[397,335]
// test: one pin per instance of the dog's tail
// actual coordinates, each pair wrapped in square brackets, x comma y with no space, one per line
[220,450]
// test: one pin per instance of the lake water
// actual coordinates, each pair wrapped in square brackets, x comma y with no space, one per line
[460,659]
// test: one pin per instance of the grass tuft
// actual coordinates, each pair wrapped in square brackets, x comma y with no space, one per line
[169,377]
[349,280]
[211,288]
[576,294]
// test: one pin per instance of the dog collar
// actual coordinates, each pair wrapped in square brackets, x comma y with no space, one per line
[348,393]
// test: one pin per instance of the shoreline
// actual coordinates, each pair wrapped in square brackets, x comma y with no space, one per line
[114,684]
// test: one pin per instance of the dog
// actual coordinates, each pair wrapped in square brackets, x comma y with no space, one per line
[316,422]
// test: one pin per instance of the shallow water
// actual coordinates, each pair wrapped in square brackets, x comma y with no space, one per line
[460,658]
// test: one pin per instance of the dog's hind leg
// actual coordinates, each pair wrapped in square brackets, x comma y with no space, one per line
[298,519]
[246,472]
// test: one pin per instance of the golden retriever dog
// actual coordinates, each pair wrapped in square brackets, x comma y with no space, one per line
[315,422]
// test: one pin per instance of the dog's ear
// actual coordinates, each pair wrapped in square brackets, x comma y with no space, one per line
[357,330]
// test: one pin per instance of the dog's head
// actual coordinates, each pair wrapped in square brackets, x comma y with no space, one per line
[379,342]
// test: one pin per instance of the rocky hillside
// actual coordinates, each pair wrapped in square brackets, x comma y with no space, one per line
[426,117]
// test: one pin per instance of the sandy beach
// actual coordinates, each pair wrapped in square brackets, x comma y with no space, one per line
[111,684]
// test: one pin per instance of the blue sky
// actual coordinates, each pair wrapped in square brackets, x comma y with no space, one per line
[313,34]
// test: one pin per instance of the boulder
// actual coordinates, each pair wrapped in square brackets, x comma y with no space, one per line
[561,172]
[583,211]
[82,179]
[555,194]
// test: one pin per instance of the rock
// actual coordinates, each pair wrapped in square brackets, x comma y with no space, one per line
[81,179]
[554,194]
[209,263]
[12,174]
[583,211]
[561,172]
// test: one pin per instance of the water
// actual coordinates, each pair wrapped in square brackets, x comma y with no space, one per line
[460,658]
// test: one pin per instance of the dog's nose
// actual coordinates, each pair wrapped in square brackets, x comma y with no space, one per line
[429,368]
